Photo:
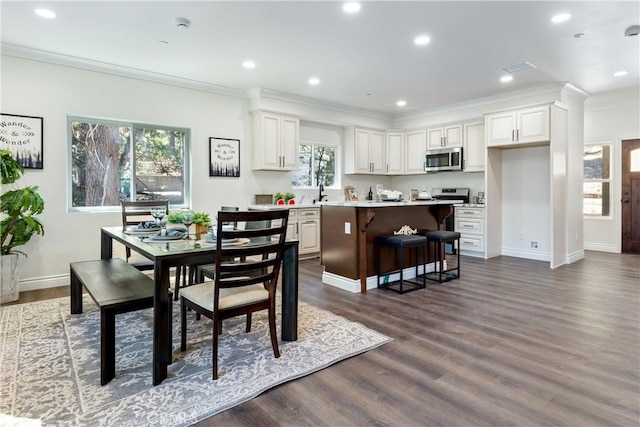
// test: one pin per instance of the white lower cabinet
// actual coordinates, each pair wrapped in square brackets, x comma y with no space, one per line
[470,223]
[304,226]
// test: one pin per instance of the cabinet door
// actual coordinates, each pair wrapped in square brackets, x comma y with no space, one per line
[415,147]
[435,138]
[474,149]
[501,128]
[533,125]
[289,143]
[453,136]
[292,231]
[270,141]
[309,235]
[362,163]
[376,153]
[395,151]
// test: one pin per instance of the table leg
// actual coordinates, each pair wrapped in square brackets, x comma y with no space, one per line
[290,292]
[161,345]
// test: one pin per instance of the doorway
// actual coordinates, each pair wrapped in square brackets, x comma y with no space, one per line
[631,196]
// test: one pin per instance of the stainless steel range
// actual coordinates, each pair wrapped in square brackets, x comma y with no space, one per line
[450,194]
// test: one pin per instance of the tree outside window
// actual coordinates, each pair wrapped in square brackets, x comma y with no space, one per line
[113,161]
[317,166]
[597,180]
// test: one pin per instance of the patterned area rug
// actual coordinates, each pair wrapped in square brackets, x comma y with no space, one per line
[50,365]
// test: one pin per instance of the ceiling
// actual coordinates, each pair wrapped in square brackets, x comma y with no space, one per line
[365,60]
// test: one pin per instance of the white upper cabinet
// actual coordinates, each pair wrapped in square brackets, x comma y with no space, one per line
[276,140]
[474,148]
[444,136]
[523,126]
[415,147]
[395,153]
[365,152]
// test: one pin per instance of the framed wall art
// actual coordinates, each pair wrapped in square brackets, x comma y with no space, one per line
[22,135]
[224,157]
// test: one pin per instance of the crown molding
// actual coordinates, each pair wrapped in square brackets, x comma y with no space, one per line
[106,68]
[479,102]
[257,93]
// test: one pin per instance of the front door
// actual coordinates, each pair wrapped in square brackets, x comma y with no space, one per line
[631,196]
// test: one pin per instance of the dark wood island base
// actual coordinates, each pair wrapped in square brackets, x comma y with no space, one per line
[349,230]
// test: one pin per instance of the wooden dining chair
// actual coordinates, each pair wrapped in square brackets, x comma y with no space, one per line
[133,213]
[245,276]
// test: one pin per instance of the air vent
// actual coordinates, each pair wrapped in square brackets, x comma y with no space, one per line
[519,67]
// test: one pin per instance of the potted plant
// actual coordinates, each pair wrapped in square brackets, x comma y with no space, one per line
[202,220]
[19,207]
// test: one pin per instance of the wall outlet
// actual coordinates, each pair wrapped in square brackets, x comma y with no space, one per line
[347,228]
[534,244]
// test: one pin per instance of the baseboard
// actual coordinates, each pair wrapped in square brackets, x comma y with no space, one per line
[519,253]
[576,256]
[36,283]
[601,247]
[353,285]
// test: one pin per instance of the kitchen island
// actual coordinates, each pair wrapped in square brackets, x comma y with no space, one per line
[349,230]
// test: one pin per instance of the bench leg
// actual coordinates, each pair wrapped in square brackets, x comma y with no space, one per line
[75,292]
[107,346]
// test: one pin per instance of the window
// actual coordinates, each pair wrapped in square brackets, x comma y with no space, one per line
[597,180]
[114,161]
[317,166]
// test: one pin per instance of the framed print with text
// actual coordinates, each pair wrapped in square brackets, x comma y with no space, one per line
[224,157]
[22,135]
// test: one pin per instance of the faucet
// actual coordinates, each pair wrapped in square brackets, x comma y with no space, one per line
[320,195]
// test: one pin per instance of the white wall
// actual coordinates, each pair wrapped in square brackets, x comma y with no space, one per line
[610,117]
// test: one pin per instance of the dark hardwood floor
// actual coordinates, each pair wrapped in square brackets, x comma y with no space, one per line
[510,343]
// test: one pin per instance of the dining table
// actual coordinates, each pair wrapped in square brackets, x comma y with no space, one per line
[166,254]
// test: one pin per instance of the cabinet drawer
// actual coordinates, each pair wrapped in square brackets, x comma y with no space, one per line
[307,213]
[472,243]
[469,226]
[469,213]
[293,215]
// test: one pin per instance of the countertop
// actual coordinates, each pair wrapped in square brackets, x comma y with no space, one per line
[274,207]
[370,204]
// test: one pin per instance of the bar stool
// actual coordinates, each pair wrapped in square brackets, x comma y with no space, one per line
[400,242]
[440,237]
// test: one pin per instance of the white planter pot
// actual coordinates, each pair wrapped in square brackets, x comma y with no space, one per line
[9,286]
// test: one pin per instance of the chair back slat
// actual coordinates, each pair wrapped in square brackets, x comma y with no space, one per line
[134,212]
[233,269]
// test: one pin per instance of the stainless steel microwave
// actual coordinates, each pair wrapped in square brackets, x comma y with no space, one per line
[444,159]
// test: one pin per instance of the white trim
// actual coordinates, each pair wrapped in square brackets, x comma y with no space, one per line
[45,282]
[575,256]
[353,285]
[601,247]
[520,253]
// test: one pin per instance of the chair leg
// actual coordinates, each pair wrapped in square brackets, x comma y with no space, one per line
[183,325]
[177,286]
[248,327]
[214,353]
[272,330]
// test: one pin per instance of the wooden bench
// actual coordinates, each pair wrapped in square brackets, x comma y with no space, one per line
[116,287]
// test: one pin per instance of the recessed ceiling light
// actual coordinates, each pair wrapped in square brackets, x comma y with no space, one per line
[351,7]
[314,81]
[422,40]
[620,73]
[45,13]
[506,79]
[249,65]
[401,103]
[561,17]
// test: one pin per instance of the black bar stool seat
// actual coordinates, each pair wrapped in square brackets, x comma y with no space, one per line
[440,237]
[400,242]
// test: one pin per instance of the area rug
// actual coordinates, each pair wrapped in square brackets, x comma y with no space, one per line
[50,365]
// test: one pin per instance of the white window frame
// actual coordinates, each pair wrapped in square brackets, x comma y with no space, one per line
[337,173]
[186,161]
[612,182]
